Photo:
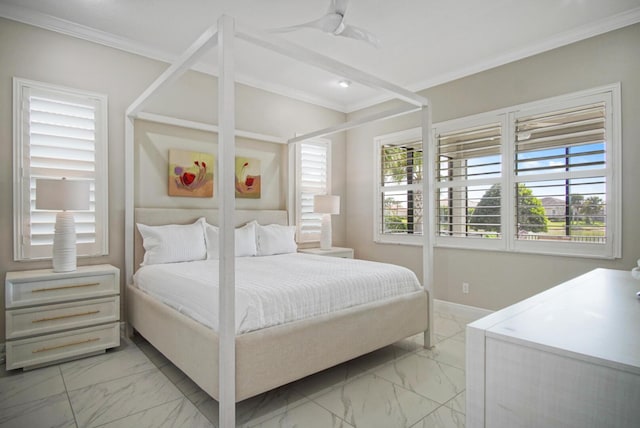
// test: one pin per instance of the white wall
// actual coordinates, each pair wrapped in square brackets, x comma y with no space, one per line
[498,279]
[41,55]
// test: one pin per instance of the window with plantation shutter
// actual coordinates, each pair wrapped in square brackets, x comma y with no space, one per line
[541,177]
[312,178]
[561,173]
[399,199]
[468,180]
[58,132]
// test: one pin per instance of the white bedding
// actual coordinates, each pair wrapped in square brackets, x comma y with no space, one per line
[273,290]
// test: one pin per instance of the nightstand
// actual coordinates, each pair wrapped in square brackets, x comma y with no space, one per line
[345,253]
[53,316]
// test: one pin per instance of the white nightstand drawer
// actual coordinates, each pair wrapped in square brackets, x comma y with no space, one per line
[22,291]
[44,349]
[53,318]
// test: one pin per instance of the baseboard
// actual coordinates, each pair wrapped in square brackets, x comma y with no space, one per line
[461,310]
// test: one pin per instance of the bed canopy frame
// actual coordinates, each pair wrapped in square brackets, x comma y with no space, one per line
[222,36]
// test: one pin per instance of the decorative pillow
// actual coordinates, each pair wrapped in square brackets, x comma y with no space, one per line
[211,235]
[275,239]
[173,243]
[245,241]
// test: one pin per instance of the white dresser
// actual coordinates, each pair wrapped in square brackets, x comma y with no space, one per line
[51,317]
[568,357]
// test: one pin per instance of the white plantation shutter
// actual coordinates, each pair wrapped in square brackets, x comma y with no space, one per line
[59,133]
[399,171]
[313,172]
[561,157]
[401,188]
[469,172]
[541,177]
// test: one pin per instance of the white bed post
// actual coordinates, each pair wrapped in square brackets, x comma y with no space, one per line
[129,176]
[428,215]
[226,192]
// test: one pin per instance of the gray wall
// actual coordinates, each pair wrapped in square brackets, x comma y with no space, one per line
[41,55]
[498,279]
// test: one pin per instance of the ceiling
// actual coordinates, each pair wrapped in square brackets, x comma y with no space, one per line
[423,42]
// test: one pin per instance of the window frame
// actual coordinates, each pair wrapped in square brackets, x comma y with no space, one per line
[613,165]
[610,95]
[22,248]
[396,138]
[469,122]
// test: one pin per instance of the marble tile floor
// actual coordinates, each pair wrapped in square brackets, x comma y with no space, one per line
[401,385]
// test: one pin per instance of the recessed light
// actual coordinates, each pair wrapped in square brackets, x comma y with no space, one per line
[344,83]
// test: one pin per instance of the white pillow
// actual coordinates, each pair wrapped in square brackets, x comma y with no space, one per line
[173,243]
[275,239]
[245,237]
[211,234]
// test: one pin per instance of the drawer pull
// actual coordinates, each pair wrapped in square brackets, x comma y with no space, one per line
[51,348]
[38,290]
[65,316]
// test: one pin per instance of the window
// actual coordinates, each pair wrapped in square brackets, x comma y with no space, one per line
[399,203]
[541,177]
[312,172]
[468,179]
[58,132]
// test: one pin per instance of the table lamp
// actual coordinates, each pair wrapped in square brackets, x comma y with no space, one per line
[63,196]
[327,205]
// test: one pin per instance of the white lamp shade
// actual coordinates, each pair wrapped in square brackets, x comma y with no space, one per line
[326,204]
[62,195]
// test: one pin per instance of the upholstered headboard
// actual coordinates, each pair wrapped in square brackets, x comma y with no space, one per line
[160,216]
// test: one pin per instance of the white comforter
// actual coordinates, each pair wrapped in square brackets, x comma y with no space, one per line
[274,290]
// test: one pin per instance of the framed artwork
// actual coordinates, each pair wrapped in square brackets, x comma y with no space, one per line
[190,174]
[248,180]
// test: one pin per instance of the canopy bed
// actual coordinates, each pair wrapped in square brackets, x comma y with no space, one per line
[232,364]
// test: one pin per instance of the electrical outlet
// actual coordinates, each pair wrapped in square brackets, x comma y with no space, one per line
[465,287]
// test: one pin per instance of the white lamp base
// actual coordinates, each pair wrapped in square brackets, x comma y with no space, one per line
[325,232]
[64,243]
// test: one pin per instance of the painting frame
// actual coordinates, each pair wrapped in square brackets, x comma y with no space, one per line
[248,179]
[191,173]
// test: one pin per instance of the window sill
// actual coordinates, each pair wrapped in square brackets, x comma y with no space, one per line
[543,250]
[400,240]
[581,251]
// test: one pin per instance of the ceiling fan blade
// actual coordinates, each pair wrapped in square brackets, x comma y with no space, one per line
[333,23]
[360,34]
[338,6]
[324,24]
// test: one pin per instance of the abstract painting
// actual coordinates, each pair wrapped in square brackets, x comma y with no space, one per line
[248,180]
[190,174]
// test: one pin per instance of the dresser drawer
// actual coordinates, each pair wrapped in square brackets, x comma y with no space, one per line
[53,318]
[44,349]
[20,293]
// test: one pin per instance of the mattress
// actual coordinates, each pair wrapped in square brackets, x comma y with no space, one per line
[274,290]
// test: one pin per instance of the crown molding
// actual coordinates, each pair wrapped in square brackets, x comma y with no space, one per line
[79,31]
[69,28]
[584,32]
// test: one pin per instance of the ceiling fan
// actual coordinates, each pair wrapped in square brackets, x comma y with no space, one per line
[332,22]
